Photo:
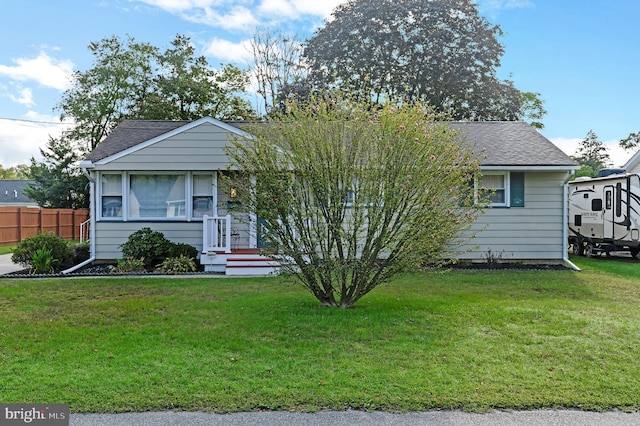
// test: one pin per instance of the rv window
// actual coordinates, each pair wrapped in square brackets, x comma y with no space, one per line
[596,205]
[577,220]
[607,198]
[619,199]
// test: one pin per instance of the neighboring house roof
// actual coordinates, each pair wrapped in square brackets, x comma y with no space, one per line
[11,192]
[512,144]
[500,144]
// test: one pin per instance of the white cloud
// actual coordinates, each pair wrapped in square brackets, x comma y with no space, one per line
[618,155]
[21,140]
[506,4]
[224,14]
[229,51]
[43,69]
[322,8]
[238,18]
[24,97]
[246,14]
[278,7]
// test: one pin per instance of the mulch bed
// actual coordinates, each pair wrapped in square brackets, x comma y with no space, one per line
[96,270]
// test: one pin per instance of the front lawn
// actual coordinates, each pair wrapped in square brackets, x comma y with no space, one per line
[7,248]
[465,339]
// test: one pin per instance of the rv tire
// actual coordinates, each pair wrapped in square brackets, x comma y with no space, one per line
[588,249]
[578,248]
[634,251]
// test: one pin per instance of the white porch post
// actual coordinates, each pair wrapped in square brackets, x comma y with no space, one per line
[253,222]
[215,193]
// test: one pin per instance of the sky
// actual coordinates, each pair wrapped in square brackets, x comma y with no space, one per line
[581,56]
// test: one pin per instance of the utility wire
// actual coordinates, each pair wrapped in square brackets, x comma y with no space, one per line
[35,121]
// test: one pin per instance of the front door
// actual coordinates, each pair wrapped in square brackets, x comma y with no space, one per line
[262,241]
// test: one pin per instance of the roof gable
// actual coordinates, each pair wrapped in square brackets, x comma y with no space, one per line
[133,135]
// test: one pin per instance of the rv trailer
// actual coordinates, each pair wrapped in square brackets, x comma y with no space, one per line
[604,214]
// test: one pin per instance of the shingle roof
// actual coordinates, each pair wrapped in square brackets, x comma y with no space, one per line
[130,133]
[511,143]
[496,143]
[11,192]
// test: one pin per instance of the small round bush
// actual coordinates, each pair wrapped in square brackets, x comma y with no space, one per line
[152,246]
[178,265]
[81,252]
[57,246]
[183,249]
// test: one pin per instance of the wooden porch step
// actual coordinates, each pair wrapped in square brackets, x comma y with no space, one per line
[251,265]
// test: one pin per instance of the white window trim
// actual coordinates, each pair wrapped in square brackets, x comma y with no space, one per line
[507,188]
[188,178]
[100,196]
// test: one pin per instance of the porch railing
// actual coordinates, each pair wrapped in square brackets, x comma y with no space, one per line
[85,230]
[216,233]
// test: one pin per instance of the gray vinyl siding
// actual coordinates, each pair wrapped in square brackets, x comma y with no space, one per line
[200,148]
[110,235]
[529,233]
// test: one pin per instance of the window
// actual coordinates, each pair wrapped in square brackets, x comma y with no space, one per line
[157,196]
[501,189]
[111,191]
[202,202]
[596,205]
[492,188]
[607,200]
[618,199]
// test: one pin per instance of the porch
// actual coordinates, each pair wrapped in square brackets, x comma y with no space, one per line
[225,249]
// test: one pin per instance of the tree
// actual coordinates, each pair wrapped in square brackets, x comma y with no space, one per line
[188,89]
[21,171]
[119,83]
[532,109]
[59,183]
[135,80]
[439,52]
[630,142]
[349,197]
[591,155]
[277,64]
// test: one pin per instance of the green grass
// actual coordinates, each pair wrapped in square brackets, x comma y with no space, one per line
[7,248]
[465,339]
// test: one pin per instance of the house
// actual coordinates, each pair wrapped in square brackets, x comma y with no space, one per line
[526,222]
[12,193]
[633,165]
[164,175]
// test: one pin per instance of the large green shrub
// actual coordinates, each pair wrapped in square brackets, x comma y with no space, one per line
[59,250]
[152,246]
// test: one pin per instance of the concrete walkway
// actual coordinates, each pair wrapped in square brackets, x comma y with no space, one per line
[353,418]
[6,266]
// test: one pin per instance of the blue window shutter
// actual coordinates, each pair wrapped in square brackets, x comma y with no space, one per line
[517,189]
